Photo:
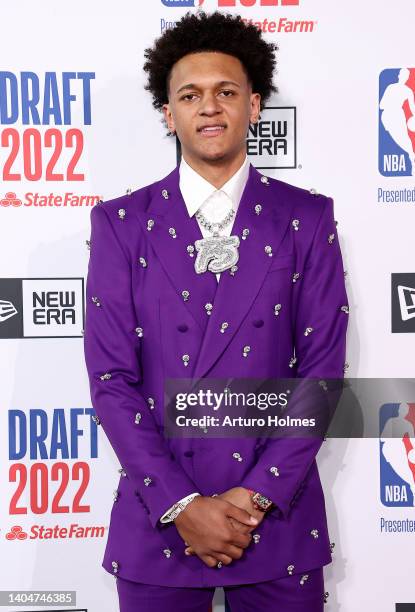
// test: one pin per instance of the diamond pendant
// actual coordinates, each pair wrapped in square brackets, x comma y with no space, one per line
[216,253]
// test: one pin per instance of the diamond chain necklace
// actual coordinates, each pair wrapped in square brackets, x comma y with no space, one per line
[220,225]
[216,253]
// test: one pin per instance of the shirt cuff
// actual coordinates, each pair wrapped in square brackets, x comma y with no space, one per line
[165,518]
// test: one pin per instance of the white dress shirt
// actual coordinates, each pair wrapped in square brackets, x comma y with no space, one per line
[215,204]
[199,194]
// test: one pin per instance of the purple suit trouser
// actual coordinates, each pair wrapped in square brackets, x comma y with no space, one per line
[289,594]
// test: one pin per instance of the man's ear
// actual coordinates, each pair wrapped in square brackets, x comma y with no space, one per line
[168,118]
[255,107]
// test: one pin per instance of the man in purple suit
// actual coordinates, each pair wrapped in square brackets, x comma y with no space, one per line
[216,270]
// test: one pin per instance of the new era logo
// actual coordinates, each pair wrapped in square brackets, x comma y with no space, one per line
[403,302]
[406,302]
[41,307]
[7,310]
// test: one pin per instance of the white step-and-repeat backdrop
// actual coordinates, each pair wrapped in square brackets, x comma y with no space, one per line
[75,126]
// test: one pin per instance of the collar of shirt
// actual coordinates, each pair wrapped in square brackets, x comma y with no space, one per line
[196,190]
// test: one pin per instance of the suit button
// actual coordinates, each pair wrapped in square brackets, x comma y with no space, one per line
[188,453]
[182,327]
[258,322]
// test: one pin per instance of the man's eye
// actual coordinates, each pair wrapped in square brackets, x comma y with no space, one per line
[187,96]
[227,91]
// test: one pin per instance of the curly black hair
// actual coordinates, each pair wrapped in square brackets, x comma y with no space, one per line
[217,31]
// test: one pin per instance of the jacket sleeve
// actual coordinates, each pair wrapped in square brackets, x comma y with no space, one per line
[111,350]
[320,354]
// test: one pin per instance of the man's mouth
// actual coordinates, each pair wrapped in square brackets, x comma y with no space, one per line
[212,130]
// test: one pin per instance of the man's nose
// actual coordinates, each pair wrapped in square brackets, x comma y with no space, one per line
[210,105]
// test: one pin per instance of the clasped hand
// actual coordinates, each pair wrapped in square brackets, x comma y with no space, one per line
[219,528]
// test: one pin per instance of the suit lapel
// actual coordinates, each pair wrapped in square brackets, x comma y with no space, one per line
[232,298]
[170,213]
[236,293]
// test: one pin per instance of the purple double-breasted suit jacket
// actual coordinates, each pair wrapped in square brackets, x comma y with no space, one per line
[138,328]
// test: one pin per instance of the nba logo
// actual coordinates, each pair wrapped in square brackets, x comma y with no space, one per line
[397,122]
[397,454]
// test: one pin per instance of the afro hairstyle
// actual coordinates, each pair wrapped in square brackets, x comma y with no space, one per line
[222,32]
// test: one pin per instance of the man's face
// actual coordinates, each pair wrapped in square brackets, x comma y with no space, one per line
[210,89]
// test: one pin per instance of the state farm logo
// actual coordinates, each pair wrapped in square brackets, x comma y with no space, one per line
[41,532]
[16,533]
[10,199]
[50,200]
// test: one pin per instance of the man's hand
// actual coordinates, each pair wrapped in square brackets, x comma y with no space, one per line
[239,496]
[205,525]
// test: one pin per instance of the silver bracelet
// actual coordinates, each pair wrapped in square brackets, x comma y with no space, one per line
[179,507]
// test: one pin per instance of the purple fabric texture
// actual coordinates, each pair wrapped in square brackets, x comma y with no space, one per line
[135,280]
[295,593]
